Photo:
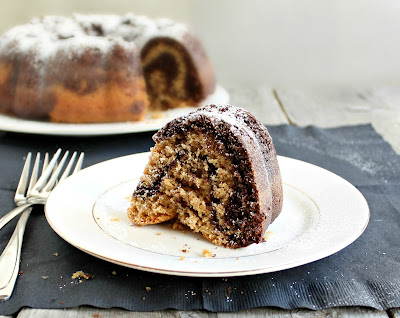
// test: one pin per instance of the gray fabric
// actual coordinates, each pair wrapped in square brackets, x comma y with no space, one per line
[366,273]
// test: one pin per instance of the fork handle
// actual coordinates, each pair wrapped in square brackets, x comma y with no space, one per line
[10,258]
[13,213]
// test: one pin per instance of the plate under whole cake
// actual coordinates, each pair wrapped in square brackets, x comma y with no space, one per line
[152,121]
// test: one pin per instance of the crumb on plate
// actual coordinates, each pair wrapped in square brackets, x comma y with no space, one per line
[207,253]
[268,234]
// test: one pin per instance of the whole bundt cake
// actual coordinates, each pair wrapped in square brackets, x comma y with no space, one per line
[214,170]
[100,68]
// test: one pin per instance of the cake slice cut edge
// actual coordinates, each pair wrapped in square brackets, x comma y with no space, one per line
[209,171]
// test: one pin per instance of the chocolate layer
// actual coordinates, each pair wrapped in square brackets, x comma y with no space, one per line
[257,197]
[166,63]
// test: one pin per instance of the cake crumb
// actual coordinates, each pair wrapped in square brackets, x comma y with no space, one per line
[20,272]
[114,273]
[158,233]
[55,254]
[182,258]
[114,219]
[268,234]
[148,289]
[207,253]
[45,277]
[96,315]
[178,226]
[144,298]
[61,302]
[81,274]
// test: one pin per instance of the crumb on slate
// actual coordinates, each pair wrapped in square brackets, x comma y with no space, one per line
[81,274]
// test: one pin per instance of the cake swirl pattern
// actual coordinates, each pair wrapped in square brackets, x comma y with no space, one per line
[100,68]
[216,171]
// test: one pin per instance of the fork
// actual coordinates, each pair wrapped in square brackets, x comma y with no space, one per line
[36,193]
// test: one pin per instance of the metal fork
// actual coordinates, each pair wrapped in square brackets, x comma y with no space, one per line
[36,193]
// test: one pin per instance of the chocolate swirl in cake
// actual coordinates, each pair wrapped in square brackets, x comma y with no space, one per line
[216,171]
[95,68]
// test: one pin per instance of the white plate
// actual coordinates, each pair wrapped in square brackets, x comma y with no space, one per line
[14,124]
[322,213]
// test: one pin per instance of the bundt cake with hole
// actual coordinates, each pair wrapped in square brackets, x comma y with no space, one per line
[101,68]
[216,171]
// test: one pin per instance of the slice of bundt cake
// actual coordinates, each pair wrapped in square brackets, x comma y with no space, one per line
[216,171]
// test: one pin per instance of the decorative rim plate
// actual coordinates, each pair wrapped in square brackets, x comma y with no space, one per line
[151,123]
[322,213]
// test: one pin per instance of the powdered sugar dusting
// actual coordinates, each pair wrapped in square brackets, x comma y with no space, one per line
[93,24]
[167,27]
[44,37]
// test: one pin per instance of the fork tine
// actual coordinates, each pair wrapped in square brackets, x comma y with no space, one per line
[49,169]
[79,163]
[45,162]
[24,176]
[54,170]
[68,168]
[56,173]
[34,174]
